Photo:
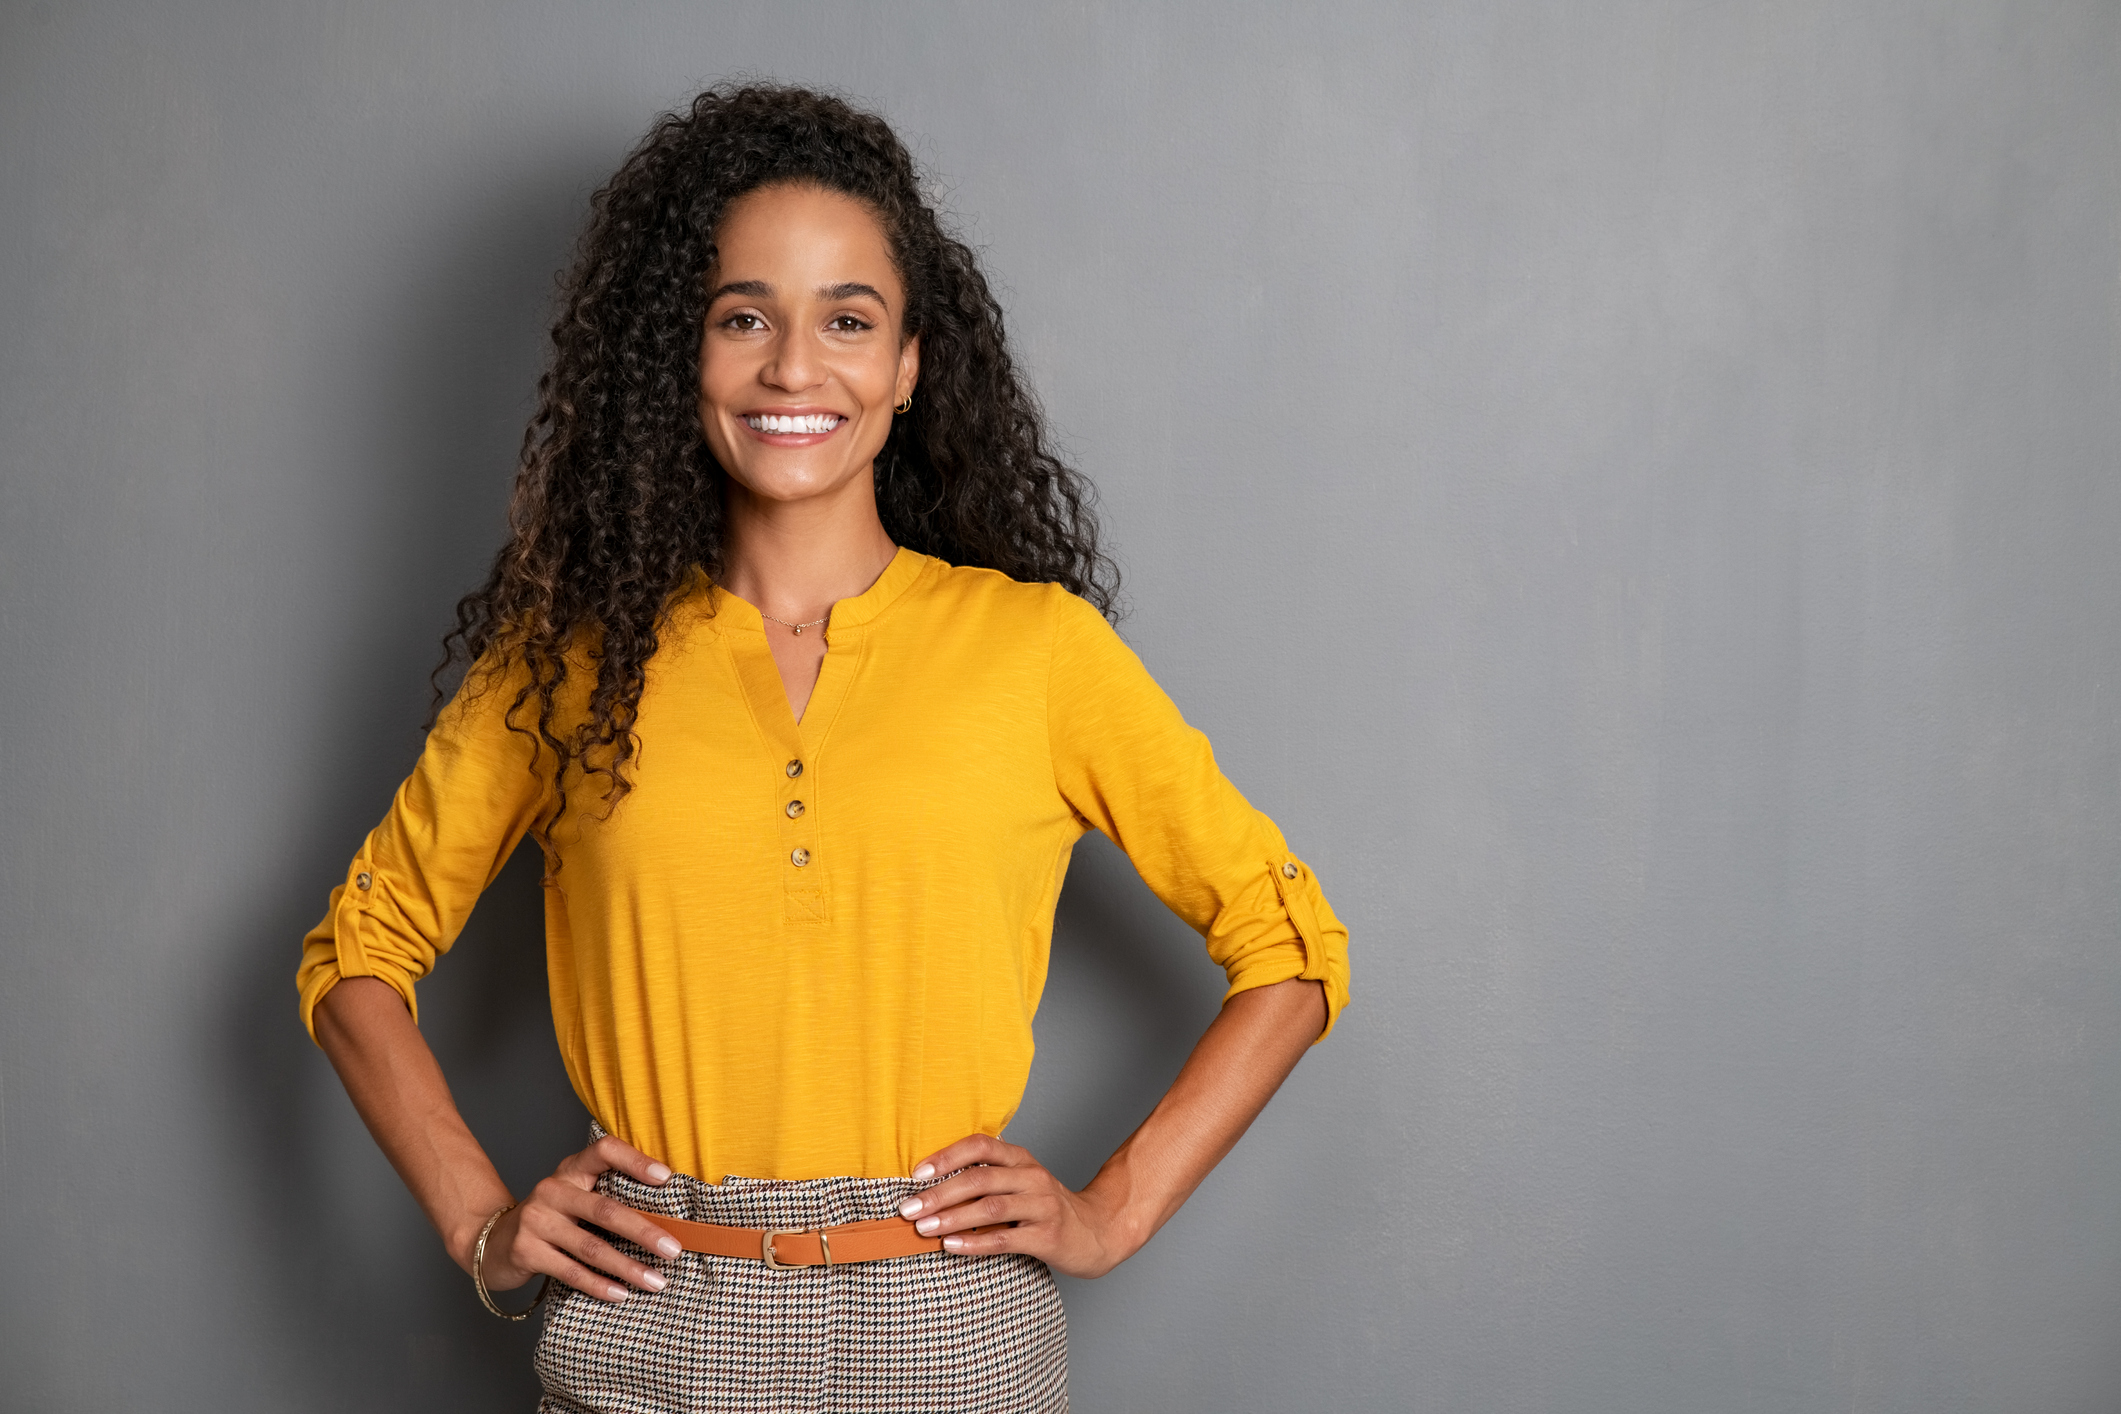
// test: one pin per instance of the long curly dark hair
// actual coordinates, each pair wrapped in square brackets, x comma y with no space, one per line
[618,500]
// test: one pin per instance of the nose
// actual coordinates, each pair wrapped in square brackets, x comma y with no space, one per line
[795,364]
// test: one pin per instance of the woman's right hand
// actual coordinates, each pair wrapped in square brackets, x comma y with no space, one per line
[545,1233]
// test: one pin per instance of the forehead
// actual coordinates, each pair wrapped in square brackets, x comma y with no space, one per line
[805,235]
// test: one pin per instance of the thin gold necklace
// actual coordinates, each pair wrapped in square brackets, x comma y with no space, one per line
[797,627]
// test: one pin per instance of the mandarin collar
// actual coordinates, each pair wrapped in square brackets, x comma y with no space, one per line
[905,569]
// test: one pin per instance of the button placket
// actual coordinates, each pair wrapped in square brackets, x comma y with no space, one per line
[803,873]
[795,810]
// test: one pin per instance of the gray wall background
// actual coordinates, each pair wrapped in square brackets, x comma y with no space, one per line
[1631,487]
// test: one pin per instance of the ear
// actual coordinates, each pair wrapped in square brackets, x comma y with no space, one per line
[909,368]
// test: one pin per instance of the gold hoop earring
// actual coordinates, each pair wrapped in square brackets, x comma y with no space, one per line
[905,407]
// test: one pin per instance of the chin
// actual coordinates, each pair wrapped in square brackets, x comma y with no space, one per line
[791,485]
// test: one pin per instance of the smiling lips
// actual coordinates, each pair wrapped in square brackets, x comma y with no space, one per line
[809,424]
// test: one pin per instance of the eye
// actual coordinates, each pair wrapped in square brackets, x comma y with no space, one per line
[848,324]
[744,322]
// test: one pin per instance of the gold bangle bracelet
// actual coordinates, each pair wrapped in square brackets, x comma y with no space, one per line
[478,1273]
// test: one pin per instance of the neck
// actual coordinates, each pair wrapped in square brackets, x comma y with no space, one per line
[795,559]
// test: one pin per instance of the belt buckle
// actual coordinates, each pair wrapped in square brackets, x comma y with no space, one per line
[824,1242]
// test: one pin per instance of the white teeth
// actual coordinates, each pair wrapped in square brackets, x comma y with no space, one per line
[807,423]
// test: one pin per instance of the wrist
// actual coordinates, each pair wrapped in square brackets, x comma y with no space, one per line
[461,1238]
[1122,1228]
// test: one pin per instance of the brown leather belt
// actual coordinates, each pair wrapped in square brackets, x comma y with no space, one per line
[871,1241]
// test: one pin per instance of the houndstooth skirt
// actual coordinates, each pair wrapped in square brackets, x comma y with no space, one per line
[912,1335]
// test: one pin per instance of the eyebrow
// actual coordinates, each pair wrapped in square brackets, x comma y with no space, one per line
[852,289]
[752,289]
[759,289]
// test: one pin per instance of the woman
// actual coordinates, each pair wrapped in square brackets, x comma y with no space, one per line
[794,666]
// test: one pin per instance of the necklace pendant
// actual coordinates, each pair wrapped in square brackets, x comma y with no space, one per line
[798,630]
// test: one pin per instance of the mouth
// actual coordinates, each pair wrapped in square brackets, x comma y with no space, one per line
[805,424]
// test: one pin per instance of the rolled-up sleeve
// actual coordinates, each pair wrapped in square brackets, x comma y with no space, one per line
[451,826]
[1128,764]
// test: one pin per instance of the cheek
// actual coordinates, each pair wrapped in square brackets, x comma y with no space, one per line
[715,374]
[879,378]
[714,394]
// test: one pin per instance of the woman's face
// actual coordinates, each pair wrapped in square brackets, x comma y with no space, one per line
[801,361]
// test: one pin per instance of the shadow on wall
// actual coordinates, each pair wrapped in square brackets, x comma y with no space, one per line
[387,1320]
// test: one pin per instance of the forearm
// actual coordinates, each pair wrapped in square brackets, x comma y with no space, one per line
[397,1087]
[1241,1060]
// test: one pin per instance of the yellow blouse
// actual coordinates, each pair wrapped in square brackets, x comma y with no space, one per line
[806,949]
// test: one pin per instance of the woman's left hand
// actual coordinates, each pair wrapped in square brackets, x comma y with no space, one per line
[1070,1232]
[1249,1047]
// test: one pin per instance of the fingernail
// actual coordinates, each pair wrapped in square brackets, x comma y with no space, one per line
[659,1173]
[668,1246]
[953,1243]
[924,1173]
[927,1225]
[908,1208]
[653,1281]
[618,1293]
